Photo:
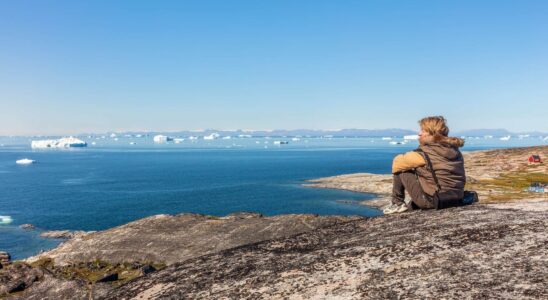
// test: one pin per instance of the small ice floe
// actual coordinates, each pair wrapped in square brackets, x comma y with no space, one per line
[386,138]
[228,137]
[192,137]
[25,161]
[178,140]
[281,142]
[132,143]
[4,220]
[505,138]
[94,143]
[396,143]
[295,139]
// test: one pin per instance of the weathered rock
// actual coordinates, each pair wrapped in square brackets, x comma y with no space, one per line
[465,252]
[18,277]
[27,226]
[64,234]
[169,239]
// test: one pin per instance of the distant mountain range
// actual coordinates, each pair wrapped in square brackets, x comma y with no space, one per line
[390,132]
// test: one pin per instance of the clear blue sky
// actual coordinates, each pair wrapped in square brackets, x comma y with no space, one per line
[95,66]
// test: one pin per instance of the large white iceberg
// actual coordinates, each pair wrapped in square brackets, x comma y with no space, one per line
[212,136]
[162,139]
[60,143]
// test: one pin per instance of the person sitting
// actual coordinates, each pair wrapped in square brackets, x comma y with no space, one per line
[411,171]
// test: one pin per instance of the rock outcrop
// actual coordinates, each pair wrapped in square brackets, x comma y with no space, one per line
[169,239]
[465,252]
[64,234]
[89,263]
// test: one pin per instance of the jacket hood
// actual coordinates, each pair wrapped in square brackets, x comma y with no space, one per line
[447,147]
[445,140]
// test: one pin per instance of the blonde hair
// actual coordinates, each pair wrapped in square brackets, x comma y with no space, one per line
[436,126]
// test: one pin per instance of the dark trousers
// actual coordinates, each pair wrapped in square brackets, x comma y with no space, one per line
[408,181]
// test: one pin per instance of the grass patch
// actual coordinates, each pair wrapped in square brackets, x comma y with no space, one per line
[517,180]
[92,271]
[508,186]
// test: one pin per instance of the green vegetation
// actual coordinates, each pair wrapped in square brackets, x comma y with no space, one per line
[97,269]
[508,186]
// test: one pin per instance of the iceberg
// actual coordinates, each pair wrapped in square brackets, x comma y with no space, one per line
[212,136]
[411,137]
[162,139]
[4,220]
[505,138]
[69,142]
[24,161]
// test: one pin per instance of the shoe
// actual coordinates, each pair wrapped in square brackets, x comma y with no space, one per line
[395,208]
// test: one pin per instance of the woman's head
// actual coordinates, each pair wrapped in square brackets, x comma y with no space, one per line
[434,129]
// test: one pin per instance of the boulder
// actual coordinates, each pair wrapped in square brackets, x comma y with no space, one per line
[5,258]
[64,234]
[27,226]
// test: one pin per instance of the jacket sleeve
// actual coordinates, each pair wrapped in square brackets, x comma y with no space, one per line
[407,161]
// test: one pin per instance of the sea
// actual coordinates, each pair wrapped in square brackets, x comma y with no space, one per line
[120,179]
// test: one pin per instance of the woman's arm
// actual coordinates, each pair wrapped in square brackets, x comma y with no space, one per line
[407,161]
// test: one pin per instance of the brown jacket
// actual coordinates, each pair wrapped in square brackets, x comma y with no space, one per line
[447,162]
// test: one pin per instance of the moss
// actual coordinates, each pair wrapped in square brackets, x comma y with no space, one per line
[517,180]
[94,270]
[508,186]
[45,262]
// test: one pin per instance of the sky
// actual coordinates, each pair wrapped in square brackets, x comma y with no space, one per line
[69,67]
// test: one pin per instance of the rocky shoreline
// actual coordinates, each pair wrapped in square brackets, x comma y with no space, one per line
[494,249]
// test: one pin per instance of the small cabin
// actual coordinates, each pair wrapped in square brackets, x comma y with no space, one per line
[535,158]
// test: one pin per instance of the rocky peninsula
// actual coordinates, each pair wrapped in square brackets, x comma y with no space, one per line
[494,249]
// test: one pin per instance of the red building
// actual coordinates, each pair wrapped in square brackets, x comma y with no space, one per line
[535,159]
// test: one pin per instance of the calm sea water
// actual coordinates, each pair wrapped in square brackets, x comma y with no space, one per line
[113,182]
